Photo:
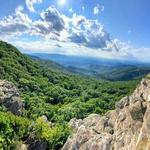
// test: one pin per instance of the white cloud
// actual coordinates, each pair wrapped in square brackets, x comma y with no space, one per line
[16,24]
[71,10]
[98,9]
[53,18]
[30,4]
[89,33]
[51,46]
[75,35]
[83,8]
[49,25]
[53,25]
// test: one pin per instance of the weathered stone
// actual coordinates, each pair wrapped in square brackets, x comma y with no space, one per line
[9,97]
[75,123]
[123,102]
[126,128]
[136,111]
[38,145]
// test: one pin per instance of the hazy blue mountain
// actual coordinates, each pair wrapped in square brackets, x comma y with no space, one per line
[108,69]
[51,64]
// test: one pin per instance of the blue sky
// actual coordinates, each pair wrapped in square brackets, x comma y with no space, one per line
[99,28]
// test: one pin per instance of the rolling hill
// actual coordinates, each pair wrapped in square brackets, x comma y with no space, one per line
[51,97]
[108,69]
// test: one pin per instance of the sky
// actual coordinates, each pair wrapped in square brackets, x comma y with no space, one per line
[117,29]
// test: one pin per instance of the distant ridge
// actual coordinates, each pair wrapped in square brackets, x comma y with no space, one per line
[108,69]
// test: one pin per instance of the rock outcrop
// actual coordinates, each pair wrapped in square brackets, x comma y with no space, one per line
[9,97]
[37,145]
[125,128]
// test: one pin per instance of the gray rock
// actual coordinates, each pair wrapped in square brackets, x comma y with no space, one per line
[75,123]
[9,97]
[123,102]
[126,128]
[38,145]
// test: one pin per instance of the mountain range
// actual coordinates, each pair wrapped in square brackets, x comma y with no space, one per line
[100,68]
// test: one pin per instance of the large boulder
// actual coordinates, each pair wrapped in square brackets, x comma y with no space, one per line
[125,128]
[10,98]
[38,145]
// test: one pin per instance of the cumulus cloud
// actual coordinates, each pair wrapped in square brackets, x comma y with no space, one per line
[18,23]
[50,24]
[71,10]
[98,9]
[74,35]
[52,46]
[30,4]
[52,16]
[89,33]
[54,25]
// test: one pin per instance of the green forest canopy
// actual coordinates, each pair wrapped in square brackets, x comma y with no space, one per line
[57,94]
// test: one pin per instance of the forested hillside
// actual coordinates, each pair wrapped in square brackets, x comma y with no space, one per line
[100,68]
[56,94]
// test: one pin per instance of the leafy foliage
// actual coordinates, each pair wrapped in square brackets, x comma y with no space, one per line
[12,128]
[52,92]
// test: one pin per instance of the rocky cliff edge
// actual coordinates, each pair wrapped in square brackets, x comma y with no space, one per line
[125,128]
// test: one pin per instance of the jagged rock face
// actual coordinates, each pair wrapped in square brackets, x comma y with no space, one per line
[125,128]
[9,97]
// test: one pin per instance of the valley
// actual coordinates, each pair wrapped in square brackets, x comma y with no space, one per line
[74,75]
[52,93]
[99,68]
